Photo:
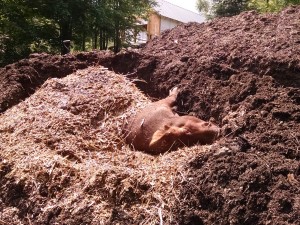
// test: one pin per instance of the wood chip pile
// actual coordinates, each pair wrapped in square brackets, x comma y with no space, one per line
[63,159]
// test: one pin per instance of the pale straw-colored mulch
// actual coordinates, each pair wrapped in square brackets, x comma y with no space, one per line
[63,145]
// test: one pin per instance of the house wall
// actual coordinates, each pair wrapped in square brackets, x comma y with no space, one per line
[167,23]
[141,37]
[153,27]
[156,24]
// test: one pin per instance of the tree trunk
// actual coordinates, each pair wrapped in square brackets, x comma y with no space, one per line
[117,40]
[101,39]
[95,39]
[83,41]
[65,34]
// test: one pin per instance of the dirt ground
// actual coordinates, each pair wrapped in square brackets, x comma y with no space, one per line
[242,72]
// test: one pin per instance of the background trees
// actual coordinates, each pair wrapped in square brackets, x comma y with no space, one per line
[22,28]
[271,5]
[41,25]
[219,8]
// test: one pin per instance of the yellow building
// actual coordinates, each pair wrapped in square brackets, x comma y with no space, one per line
[165,16]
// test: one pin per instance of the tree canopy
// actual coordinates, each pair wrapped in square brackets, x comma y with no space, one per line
[221,8]
[41,25]
[271,5]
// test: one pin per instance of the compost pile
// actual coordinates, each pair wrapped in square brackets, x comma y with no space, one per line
[20,80]
[63,159]
[241,72]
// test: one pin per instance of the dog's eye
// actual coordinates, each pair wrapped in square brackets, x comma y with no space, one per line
[188,132]
[207,124]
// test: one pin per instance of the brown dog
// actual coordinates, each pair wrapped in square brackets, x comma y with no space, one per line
[157,129]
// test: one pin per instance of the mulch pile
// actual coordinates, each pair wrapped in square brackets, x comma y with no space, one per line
[243,72]
[21,79]
[63,159]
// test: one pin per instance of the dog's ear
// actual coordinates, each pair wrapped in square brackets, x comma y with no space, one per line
[158,135]
[174,91]
[166,131]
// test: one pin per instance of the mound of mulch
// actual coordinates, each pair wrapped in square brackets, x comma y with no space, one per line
[21,79]
[242,72]
[63,159]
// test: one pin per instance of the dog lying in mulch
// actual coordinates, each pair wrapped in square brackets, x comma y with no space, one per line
[157,128]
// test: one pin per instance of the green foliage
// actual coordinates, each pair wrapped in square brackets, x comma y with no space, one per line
[125,14]
[229,7]
[271,5]
[41,25]
[205,7]
[20,26]
[220,8]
